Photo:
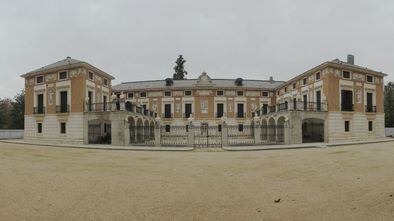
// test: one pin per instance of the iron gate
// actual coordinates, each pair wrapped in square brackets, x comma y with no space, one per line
[312,132]
[208,136]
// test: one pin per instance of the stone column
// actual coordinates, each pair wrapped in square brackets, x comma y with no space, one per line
[256,130]
[117,128]
[157,132]
[224,132]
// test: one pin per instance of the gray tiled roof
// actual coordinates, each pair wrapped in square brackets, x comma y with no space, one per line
[189,83]
[67,61]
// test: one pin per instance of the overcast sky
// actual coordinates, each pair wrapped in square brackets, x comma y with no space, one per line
[140,40]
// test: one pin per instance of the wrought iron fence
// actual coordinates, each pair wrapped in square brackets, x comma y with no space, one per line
[240,134]
[142,135]
[173,135]
[208,136]
[272,134]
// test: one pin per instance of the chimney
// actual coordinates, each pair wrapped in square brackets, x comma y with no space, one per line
[350,59]
[271,79]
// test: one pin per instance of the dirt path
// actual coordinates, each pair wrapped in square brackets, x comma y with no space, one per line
[341,183]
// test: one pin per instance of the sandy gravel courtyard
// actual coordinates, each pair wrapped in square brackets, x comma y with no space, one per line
[341,183]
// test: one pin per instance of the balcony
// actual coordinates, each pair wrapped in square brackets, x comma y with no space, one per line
[39,110]
[62,108]
[347,107]
[294,106]
[370,109]
[219,114]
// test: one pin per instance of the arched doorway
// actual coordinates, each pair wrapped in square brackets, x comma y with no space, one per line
[271,130]
[132,130]
[312,130]
[280,129]
[140,131]
[264,130]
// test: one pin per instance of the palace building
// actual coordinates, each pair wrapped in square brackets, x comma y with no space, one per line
[72,101]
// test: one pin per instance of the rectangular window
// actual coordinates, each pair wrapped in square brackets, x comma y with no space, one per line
[369,79]
[90,100]
[143,94]
[220,128]
[62,128]
[240,127]
[220,110]
[265,108]
[40,104]
[264,94]
[305,100]
[346,100]
[346,74]
[188,93]
[40,79]
[63,108]
[105,82]
[39,128]
[304,81]
[168,128]
[240,110]
[91,75]
[219,93]
[294,85]
[370,126]
[62,75]
[167,93]
[188,110]
[130,95]
[347,126]
[285,89]
[317,76]
[167,111]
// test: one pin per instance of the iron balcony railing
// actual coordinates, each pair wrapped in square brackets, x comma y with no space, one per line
[369,108]
[62,108]
[219,114]
[39,110]
[241,115]
[99,107]
[115,106]
[294,106]
[347,107]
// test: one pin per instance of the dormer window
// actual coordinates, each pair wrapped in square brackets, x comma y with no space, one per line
[317,76]
[91,75]
[62,75]
[369,79]
[346,74]
[264,94]
[40,79]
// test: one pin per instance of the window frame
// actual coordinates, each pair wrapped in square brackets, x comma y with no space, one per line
[217,93]
[304,81]
[105,82]
[347,126]
[61,128]
[39,127]
[238,93]
[370,126]
[61,72]
[264,92]
[366,78]
[165,94]
[318,74]
[91,72]
[143,93]
[350,74]
[43,79]
[187,94]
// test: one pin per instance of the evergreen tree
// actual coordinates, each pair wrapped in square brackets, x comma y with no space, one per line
[17,114]
[389,104]
[180,72]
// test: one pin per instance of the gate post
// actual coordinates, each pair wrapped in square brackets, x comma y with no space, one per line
[190,133]
[157,131]
[256,130]
[224,132]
